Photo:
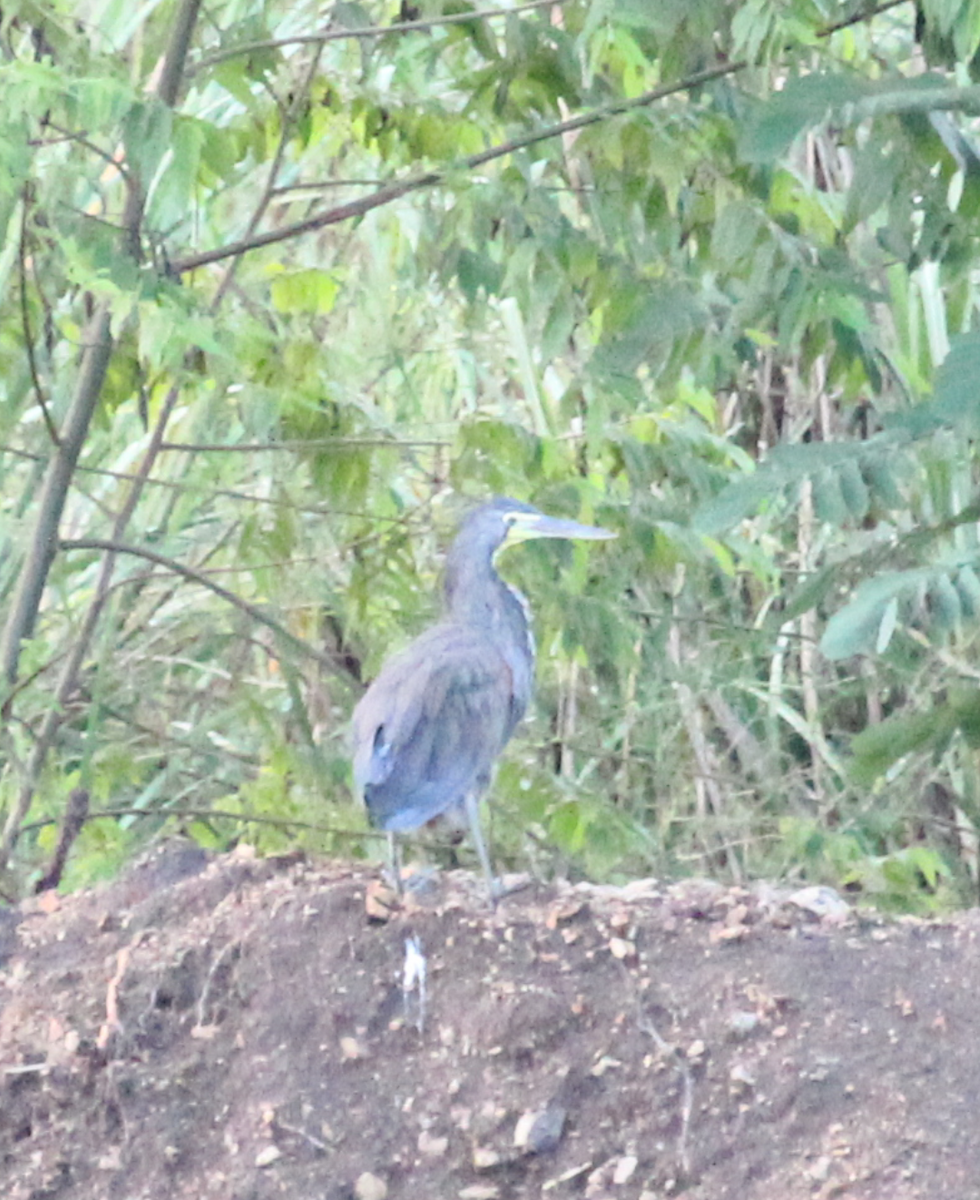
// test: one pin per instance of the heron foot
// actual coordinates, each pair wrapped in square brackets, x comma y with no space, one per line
[413,880]
[506,885]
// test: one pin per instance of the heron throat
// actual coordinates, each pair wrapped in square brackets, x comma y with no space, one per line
[476,596]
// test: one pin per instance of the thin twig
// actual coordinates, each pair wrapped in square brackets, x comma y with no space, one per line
[227,493]
[25,317]
[339,443]
[68,135]
[674,1054]
[68,679]
[202,1004]
[220,814]
[856,18]
[315,1142]
[287,118]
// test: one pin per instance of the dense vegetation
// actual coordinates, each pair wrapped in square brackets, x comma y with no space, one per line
[284,286]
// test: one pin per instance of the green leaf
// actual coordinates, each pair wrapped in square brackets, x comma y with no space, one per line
[567,828]
[879,473]
[957,392]
[828,498]
[476,271]
[966,704]
[736,501]
[665,314]
[944,602]
[309,291]
[752,25]
[854,490]
[880,746]
[889,621]
[854,629]
[171,199]
[968,586]
[812,592]
[774,125]
[146,131]
[736,229]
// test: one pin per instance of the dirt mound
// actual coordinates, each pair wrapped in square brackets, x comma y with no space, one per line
[241,1028]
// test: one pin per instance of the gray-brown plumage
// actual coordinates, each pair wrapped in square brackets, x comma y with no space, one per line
[431,726]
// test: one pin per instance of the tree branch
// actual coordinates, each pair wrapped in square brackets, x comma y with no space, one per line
[863,13]
[335,443]
[220,814]
[394,191]
[34,572]
[369,31]
[174,485]
[198,577]
[72,820]
[25,317]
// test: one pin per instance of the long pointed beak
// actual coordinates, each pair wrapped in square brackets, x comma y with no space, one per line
[538,525]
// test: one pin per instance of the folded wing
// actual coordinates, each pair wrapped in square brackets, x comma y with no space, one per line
[427,731]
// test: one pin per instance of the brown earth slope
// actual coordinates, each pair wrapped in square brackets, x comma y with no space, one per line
[241,1029]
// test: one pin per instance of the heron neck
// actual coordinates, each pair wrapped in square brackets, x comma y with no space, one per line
[476,595]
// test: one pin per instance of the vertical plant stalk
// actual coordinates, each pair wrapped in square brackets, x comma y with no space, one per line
[73,818]
[809,635]
[99,346]
[630,715]
[170,77]
[68,679]
[706,786]
[26,602]
[567,717]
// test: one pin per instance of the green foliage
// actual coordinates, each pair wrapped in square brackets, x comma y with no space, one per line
[913,879]
[845,479]
[733,321]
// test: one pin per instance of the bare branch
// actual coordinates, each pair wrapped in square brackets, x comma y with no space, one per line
[368,31]
[34,571]
[220,814]
[25,317]
[863,13]
[198,577]
[72,821]
[79,139]
[305,444]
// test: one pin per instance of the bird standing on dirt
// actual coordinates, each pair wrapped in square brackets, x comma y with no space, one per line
[430,727]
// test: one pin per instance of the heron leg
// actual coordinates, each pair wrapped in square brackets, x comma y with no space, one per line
[395,863]
[472,806]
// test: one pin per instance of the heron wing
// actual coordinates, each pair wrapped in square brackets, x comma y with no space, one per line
[429,728]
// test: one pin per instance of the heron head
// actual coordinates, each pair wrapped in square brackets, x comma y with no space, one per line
[518,522]
[492,527]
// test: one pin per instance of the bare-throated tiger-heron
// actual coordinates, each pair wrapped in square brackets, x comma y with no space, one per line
[432,724]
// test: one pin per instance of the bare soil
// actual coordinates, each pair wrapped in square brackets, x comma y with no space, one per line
[242,1028]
